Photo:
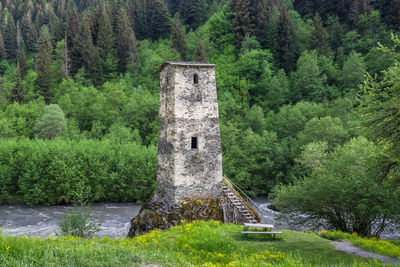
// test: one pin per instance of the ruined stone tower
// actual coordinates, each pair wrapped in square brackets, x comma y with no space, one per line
[189,162]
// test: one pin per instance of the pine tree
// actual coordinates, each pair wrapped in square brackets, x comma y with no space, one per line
[319,37]
[73,27]
[173,6]
[193,12]
[140,24]
[158,19]
[241,23]
[19,39]
[390,10]
[105,37]
[286,38]
[178,37]
[28,31]
[18,91]
[357,8]
[65,60]
[10,40]
[84,54]
[82,47]
[261,12]
[105,43]
[126,42]
[58,29]
[43,63]
[200,53]
[251,18]
[3,54]
[22,62]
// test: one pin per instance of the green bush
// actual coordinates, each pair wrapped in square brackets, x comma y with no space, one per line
[53,171]
[78,223]
[345,190]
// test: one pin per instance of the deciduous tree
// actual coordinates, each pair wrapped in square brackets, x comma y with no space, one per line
[52,123]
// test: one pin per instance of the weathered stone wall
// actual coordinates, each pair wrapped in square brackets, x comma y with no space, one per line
[187,110]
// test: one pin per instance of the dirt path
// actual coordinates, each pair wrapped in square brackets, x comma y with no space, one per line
[350,249]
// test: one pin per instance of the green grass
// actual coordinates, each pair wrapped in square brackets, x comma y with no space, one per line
[191,244]
[380,246]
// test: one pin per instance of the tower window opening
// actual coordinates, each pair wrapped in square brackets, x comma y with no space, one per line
[195,143]
[196,78]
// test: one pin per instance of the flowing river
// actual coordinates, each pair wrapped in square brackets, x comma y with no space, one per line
[115,218]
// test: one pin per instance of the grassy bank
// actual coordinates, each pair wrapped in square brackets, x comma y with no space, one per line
[192,244]
[380,246]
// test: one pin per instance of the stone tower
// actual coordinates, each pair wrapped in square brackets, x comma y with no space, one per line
[189,162]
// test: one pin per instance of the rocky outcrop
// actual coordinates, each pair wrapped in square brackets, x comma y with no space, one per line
[162,213]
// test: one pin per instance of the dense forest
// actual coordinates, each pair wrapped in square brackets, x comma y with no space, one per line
[308,95]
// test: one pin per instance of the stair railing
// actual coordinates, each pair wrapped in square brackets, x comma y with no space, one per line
[246,196]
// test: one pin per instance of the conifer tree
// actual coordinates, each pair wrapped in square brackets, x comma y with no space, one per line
[357,8]
[3,54]
[390,11]
[140,24]
[43,63]
[173,6]
[82,49]
[28,31]
[73,27]
[19,39]
[251,18]
[178,37]
[126,42]
[10,40]
[241,23]
[200,53]
[261,12]
[105,43]
[158,19]
[394,14]
[193,12]
[18,91]
[22,62]
[105,36]
[65,60]
[58,29]
[286,38]
[319,37]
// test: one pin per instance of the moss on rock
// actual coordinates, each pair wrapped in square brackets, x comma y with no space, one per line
[161,213]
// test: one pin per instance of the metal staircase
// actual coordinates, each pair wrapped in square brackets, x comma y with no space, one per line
[248,214]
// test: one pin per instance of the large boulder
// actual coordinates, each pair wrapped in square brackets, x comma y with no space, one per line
[161,213]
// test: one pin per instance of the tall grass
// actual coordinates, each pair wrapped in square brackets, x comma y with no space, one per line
[190,244]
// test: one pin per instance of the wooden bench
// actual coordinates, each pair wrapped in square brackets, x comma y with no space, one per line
[266,227]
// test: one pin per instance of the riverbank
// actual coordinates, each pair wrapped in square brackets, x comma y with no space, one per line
[192,244]
[43,221]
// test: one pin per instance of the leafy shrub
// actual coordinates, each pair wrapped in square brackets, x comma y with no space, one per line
[53,171]
[78,223]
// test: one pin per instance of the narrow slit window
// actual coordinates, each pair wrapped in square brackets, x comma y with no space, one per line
[196,78]
[195,143]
